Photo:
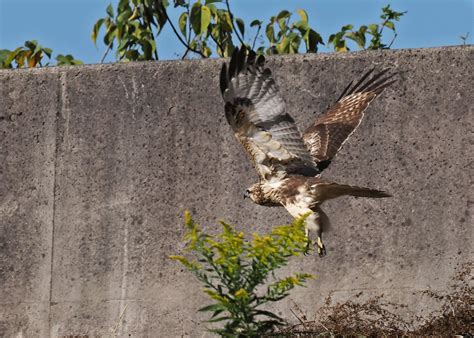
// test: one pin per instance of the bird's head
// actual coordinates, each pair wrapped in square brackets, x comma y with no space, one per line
[257,194]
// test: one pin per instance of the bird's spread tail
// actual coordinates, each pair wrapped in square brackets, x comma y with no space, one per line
[334,190]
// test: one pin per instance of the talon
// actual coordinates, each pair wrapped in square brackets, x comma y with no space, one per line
[307,250]
[308,247]
[321,247]
[322,251]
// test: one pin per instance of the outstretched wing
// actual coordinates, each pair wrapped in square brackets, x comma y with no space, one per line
[256,112]
[330,130]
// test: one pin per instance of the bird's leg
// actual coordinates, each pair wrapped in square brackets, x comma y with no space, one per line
[308,241]
[320,244]
[314,223]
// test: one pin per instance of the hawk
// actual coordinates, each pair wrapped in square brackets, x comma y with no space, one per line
[289,163]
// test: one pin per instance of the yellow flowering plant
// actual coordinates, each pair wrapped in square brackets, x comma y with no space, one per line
[239,274]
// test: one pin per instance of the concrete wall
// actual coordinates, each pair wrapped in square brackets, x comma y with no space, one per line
[99,162]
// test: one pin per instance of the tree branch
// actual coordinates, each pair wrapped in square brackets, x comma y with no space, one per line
[256,36]
[106,52]
[179,36]
[218,45]
[233,25]
[393,39]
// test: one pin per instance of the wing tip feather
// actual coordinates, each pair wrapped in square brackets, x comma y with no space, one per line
[223,79]
[373,84]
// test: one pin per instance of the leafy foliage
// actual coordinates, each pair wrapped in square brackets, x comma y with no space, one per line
[288,38]
[206,25]
[209,27]
[205,28]
[31,55]
[132,27]
[339,40]
[234,272]
[67,60]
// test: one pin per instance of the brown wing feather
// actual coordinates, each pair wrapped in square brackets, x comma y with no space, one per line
[256,112]
[330,130]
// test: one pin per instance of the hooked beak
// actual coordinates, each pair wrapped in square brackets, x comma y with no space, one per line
[246,194]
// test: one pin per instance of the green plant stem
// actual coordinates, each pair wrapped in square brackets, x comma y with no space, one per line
[256,36]
[218,44]
[188,47]
[179,36]
[393,39]
[189,32]
[233,25]
[106,52]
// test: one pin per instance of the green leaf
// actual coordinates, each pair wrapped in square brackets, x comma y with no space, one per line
[13,55]
[67,60]
[302,26]
[213,307]
[256,23]
[205,49]
[205,18]
[132,55]
[283,46]
[268,314]
[214,10]
[32,45]
[358,38]
[303,15]
[295,43]
[314,39]
[123,16]
[4,54]
[270,32]
[196,17]
[224,21]
[389,24]
[346,28]
[110,11]
[282,23]
[122,6]
[147,48]
[95,30]
[241,26]
[48,52]
[219,319]
[160,14]
[200,18]
[109,34]
[183,19]
[283,15]
[373,28]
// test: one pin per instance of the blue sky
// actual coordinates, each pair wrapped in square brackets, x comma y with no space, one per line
[65,25]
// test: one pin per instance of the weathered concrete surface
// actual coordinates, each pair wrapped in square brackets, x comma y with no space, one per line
[134,145]
[28,108]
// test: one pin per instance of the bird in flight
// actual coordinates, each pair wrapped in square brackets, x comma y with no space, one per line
[289,164]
